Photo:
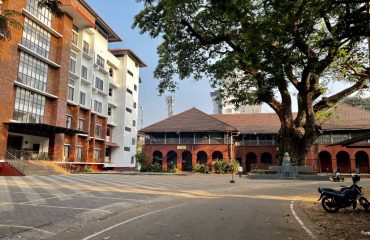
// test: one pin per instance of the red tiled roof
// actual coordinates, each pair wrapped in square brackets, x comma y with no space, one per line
[192,120]
[345,116]
[246,123]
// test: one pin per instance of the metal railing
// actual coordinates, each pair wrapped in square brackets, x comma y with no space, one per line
[13,154]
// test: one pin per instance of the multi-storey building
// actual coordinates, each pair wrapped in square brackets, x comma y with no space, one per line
[192,137]
[220,107]
[63,90]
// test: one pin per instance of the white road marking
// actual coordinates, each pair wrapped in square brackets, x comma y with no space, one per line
[130,220]
[25,227]
[308,231]
[72,208]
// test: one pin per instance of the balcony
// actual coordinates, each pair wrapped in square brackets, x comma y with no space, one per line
[87,54]
[113,82]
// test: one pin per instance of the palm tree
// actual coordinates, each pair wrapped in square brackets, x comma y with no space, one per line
[8,17]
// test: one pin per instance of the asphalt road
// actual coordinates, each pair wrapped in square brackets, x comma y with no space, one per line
[153,207]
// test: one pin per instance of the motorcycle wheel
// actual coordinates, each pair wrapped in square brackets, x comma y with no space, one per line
[329,205]
[364,203]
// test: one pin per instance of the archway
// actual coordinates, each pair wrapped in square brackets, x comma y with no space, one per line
[187,161]
[266,158]
[202,157]
[343,162]
[171,159]
[325,162]
[217,156]
[251,159]
[362,161]
[157,158]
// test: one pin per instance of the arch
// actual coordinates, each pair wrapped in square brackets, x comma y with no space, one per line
[157,158]
[343,162]
[187,161]
[362,162]
[266,158]
[217,155]
[324,159]
[202,157]
[171,159]
[251,159]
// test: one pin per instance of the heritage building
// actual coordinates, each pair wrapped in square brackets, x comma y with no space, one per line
[65,95]
[195,137]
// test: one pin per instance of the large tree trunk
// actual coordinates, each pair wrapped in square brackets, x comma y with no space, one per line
[297,137]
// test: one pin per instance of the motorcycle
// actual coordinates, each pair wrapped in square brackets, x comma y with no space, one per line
[336,178]
[332,200]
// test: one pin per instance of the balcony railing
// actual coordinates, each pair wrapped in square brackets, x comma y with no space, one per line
[13,154]
[258,142]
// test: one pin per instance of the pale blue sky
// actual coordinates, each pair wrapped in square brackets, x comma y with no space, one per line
[119,15]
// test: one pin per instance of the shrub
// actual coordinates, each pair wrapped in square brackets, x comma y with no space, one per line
[87,169]
[219,166]
[200,168]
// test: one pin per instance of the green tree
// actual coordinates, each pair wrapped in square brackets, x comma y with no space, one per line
[8,16]
[270,46]
[363,103]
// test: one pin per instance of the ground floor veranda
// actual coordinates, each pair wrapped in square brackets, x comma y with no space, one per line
[322,158]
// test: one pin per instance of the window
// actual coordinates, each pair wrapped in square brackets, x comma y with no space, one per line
[98,106]
[96,154]
[73,61]
[42,14]
[127,129]
[74,38]
[99,84]
[129,91]
[100,61]
[128,110]
[32,72]
[127,149]
[135,105]
[71,92]
[129,72]
[29,106]
[68,121]
[82,98]
[36,38]
[81,123]
[66,152]
[111,72]
[133,123]
[133,141]
[98,131]
[132,160]
[109,111]
[110,92]
[79,152]
[84,72]
[135,87]
[86,47]
[108,132]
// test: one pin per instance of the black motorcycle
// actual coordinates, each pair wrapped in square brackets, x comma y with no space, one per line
[332,200]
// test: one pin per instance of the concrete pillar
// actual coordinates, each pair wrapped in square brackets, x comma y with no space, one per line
[164,164]
[56,146]
[334,165]
[353,165]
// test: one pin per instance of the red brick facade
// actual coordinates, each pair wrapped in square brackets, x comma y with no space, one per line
[56,109]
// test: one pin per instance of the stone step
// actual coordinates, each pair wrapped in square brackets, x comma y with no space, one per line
[32,168]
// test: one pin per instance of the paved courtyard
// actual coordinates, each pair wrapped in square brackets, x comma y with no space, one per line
[151,207]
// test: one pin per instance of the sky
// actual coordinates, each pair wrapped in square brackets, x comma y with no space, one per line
[119,15]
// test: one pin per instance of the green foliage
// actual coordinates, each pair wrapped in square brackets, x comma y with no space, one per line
[151,168]
[7,20]
[359,102]
[219,166]
[87,169]
[201,168]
